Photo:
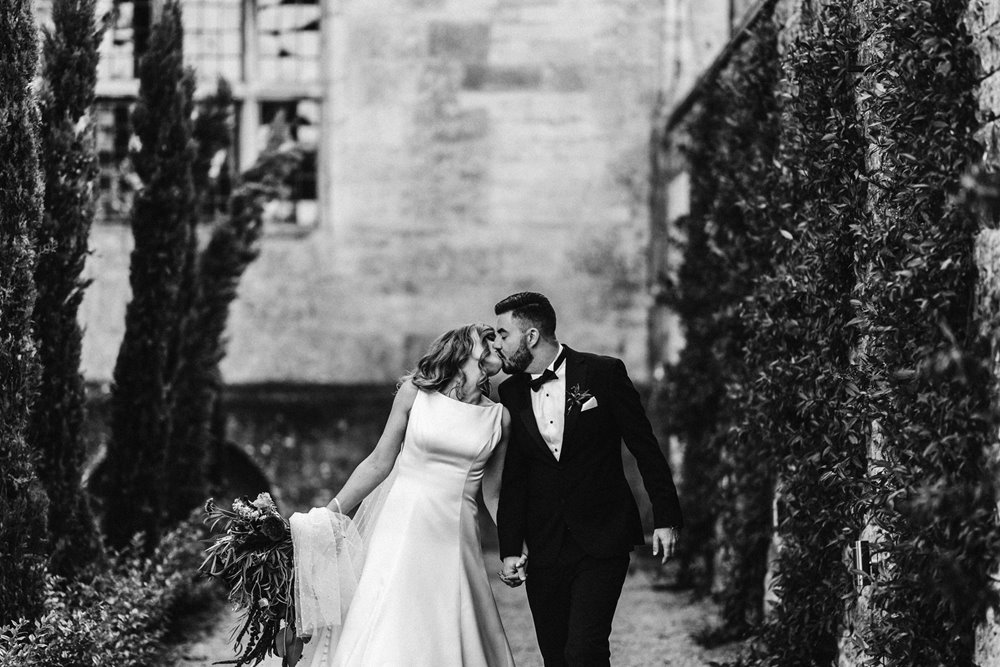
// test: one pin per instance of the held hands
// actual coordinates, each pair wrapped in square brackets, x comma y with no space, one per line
[513,573]
[665,540]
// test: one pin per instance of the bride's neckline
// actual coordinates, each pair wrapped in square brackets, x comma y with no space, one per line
[489,404]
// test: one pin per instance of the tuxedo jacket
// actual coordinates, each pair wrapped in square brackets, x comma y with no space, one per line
[585,491]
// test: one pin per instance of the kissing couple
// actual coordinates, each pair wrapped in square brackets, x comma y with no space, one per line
[403,583]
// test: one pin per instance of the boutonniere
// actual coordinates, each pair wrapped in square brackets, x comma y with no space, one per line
[576,397]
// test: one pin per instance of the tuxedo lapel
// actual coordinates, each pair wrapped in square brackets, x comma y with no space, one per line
[576,378]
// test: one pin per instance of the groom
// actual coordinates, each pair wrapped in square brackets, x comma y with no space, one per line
[564,495]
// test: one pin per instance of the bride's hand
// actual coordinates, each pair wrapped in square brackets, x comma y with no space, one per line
[513,573]
[334,506]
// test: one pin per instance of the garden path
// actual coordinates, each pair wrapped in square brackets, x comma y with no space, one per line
[653,626]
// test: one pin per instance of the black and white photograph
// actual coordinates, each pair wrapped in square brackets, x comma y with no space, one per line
[500,333]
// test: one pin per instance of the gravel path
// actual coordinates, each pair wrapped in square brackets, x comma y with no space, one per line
[653,626]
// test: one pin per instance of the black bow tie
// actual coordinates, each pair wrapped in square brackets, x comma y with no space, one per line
[536,383]
[549,374]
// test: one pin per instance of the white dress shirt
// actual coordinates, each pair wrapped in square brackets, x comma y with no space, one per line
[549,406]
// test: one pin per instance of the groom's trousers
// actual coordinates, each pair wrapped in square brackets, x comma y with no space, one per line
[573,603]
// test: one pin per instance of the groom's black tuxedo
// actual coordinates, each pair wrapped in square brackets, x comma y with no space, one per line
[585,491]
[577,514]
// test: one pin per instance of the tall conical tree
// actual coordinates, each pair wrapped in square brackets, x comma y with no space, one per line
[69,164]
[23,503]
[197,382]
[230,250]
[133,478]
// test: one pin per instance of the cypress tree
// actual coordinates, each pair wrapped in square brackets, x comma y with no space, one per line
[197,373]
[213,133]
[23,503]
[233,245]
[133,484]
[69,164]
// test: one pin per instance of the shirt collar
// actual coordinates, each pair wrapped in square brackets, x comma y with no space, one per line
[551,363]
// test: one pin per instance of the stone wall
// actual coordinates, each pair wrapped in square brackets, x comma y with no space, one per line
[983,22]
[479,147]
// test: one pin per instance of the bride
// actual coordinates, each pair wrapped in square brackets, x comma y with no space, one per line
[404,583]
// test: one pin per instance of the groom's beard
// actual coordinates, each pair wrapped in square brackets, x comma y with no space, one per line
[520,360]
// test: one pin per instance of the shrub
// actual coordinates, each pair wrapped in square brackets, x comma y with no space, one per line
[121,615]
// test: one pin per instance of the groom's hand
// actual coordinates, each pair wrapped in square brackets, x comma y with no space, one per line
[665,541]
[513,573]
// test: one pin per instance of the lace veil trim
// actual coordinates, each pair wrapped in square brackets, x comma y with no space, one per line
[329,553]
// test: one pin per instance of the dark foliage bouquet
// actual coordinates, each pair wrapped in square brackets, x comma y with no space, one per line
[254,560]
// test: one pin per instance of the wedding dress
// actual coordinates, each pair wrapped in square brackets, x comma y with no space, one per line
[422,596]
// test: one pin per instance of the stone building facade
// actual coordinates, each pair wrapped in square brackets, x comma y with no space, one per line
[456,151]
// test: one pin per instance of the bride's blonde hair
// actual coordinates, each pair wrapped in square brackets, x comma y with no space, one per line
[446,356]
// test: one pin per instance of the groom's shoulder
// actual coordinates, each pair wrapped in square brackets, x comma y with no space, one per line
[507,385]
[599,360]
[602,365]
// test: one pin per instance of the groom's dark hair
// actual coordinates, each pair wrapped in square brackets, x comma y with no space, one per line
[530,307]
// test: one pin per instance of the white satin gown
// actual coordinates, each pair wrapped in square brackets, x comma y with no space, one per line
[424,596]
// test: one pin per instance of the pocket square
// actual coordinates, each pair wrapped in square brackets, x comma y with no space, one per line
[591,403]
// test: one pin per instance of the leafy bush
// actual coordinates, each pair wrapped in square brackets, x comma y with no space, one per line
[727,475]
[931,492]
[122,615]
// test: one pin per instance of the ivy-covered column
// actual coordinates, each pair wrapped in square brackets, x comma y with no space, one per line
[983,22]
[806,390]
[929,498]
[859,612]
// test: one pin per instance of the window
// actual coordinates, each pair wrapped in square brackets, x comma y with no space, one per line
[288,34]
[116,180]
[126,39]
[213,39]
[276,42]
[294,121]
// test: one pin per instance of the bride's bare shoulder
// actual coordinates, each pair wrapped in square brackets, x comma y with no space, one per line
[406,393]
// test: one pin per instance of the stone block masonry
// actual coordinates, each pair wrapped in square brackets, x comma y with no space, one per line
[477,147]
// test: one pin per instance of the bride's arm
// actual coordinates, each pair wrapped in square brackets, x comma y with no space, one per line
[490,488]
[377,465]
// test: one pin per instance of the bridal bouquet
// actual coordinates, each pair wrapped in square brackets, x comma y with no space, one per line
[254,558]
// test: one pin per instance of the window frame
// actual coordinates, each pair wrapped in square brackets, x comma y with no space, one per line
[249,93]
